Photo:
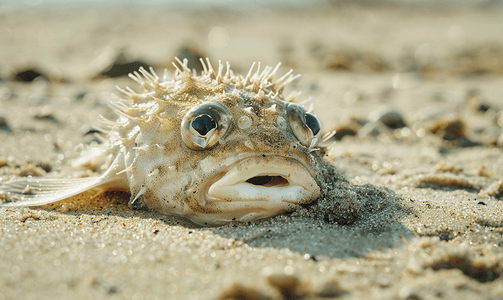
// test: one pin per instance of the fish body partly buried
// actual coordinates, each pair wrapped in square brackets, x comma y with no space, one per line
[214,148]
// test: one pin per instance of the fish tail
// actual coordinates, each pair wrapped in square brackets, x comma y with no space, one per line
[34,192]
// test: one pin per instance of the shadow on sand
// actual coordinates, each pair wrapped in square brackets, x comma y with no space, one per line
[348,221]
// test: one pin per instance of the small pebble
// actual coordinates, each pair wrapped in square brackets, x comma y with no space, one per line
[238,291]
[3,122]
[80,95]
[483,107]
[28,75]
[45,116]
[121,66]
[392,119]
[342,131]
[285,284]
[330,289]
[451,128]
[370,129]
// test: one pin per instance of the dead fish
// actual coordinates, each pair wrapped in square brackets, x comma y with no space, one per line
[214,148]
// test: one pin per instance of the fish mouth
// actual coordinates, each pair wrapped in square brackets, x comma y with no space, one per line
[264,183]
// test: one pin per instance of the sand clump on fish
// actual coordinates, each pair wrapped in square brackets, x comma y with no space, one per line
[214,148]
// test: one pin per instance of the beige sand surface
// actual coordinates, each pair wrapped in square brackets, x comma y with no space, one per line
[440,69]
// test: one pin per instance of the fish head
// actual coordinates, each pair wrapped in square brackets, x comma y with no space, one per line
[232,149]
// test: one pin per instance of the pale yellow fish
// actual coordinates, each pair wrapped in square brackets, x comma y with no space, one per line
[213,148]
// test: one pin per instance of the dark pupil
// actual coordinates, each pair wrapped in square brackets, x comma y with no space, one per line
[203,124]
[313,123]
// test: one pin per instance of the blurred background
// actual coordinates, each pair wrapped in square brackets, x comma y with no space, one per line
[77,40]
[386,69]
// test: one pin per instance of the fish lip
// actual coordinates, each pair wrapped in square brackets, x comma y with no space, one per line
[297,184]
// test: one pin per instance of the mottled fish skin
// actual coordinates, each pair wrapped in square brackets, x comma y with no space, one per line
[214,147]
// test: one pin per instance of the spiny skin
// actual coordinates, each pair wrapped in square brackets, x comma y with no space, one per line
[256,131]
[183,172]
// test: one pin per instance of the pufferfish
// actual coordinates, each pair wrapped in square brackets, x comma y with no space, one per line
[214,148]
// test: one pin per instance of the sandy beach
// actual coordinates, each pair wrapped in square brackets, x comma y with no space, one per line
[414,93]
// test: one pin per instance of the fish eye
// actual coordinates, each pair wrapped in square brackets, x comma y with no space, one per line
[305,126]
[313,123]
[203,126]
